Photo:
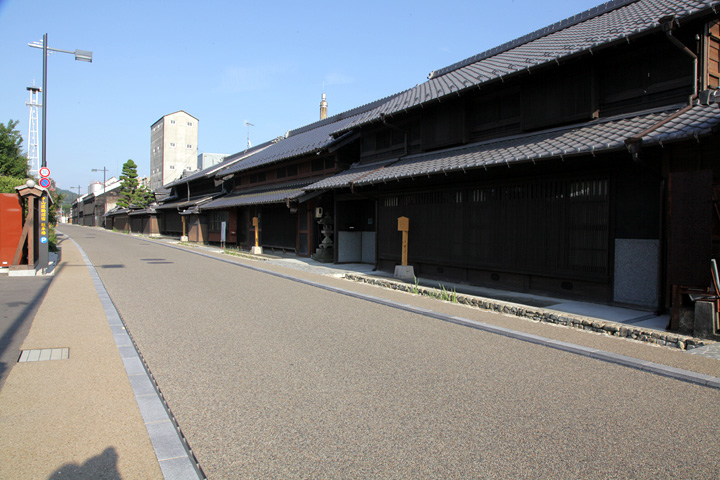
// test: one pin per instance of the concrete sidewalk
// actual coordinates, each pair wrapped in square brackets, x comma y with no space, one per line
[75,417]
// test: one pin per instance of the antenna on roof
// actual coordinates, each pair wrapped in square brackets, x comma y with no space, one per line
[248,125]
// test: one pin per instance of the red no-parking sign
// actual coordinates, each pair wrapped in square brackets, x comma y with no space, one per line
[44,181]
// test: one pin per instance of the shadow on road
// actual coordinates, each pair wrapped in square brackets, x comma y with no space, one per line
[100,466]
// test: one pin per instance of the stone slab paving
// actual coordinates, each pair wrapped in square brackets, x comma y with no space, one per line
[44,354]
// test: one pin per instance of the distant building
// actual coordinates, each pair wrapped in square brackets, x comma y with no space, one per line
[173,147]
[207,160]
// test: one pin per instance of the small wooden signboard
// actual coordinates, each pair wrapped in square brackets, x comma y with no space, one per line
[404,227]
[255,223]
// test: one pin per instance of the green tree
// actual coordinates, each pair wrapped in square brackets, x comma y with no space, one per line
[12,161]
[143,196]
[132,194]
[128,184]
[8,184]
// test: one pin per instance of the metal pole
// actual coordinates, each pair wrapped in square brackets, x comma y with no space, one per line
[44,105]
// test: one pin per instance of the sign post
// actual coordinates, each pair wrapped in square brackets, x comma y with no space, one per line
[404,227]
[257,249]
[404,271]
[43,232]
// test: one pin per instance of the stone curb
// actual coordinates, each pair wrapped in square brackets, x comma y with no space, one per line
[606,327]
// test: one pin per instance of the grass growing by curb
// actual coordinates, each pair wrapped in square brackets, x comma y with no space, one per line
[440,293]
[236,252]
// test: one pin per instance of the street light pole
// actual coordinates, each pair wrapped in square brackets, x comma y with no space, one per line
[104,170]
[44,101]
[80,55]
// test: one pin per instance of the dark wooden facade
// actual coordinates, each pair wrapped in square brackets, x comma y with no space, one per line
[287,226]
[566,226]
[624,225]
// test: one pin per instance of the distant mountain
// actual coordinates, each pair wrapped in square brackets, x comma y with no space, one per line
[69,195]
[69,198]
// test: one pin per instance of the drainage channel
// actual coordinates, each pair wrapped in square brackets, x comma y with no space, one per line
[175,456]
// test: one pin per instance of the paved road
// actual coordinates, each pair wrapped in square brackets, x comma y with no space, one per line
[271,378]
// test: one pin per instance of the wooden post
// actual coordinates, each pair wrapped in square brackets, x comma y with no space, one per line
[257,249]
[404,271]
[404,227]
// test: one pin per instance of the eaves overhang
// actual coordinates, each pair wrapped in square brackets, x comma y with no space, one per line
[606,135]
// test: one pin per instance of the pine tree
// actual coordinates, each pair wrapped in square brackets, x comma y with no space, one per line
[143,197]
[128,185]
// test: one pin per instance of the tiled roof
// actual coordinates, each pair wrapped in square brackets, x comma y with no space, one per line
[257,197]
[349,176]
[225,163]
[305,140]
[599,27]
[182,204]
[303,143]
[598,136]
[116,211]
[700,120]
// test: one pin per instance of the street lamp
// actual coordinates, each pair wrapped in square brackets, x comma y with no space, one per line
[104,170]
[80,55]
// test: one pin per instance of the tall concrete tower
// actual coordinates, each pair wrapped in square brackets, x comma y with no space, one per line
[33,145]
[173,147]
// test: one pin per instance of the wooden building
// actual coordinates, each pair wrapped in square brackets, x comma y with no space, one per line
[180,215]
[269,186]
[579,160]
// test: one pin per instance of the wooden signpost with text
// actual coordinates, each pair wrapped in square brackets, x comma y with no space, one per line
[404,272]
[404,227]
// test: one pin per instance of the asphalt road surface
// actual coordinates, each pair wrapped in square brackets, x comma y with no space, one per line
[270,378]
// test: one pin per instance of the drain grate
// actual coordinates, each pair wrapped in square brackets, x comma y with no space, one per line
[44,354]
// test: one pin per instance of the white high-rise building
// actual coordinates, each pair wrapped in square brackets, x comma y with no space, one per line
[173,147]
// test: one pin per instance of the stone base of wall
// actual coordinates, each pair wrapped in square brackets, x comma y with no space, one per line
[615,329]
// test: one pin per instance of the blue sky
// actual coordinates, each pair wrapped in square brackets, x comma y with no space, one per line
[227,62]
